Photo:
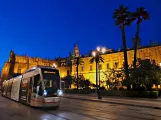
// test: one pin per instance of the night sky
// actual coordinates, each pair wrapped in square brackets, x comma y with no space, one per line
[50,28]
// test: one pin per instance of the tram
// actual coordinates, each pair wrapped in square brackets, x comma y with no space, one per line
[39,86]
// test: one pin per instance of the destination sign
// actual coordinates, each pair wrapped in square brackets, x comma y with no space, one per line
[50,72]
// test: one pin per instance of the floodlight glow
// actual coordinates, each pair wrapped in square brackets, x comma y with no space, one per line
[94,53]
[54,65]
[98,48]
[103,50]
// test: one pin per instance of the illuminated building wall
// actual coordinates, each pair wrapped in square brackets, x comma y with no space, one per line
[19,64]
[115,60]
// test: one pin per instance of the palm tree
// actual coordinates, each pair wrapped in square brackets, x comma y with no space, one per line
[98,59]
[140,15]
[121,16]
[78,61]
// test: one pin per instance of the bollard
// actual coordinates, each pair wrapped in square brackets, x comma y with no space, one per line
[99,94]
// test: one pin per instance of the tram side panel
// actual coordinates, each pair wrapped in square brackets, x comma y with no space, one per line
[5,84]
[16,88]
[9,88]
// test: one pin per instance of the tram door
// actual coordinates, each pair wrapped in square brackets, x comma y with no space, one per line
[29,90]
[24,90]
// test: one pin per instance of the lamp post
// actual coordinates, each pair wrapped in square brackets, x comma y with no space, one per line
[97,54]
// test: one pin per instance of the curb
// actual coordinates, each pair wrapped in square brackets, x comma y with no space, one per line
[152,107]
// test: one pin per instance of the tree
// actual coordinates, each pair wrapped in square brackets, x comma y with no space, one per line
[84,83]
[121,16]
[68,80]
[140,15]
[113,76]
[87,83]
[146,73]
[78,61]
[98,59]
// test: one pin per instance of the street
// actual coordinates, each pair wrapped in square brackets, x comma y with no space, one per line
[72,109]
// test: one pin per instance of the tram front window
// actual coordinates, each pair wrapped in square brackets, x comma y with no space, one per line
[51,80]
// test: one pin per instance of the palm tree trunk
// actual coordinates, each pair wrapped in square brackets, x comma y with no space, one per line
[77,74]
[136,44]
[125,55]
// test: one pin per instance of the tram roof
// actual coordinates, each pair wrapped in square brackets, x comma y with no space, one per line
[38,66]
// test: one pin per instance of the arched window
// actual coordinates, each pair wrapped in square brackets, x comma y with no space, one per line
[19,70]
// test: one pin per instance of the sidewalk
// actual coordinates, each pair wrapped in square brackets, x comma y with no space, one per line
[138,102]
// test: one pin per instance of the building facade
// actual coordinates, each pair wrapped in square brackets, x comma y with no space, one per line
[114,59]
[17,64]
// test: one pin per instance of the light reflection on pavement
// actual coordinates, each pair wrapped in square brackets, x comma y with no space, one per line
[72,109]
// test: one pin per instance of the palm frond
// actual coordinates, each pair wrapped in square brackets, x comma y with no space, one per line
[78,61]
[101,59]
[92,60]
[121,15]
[141,14]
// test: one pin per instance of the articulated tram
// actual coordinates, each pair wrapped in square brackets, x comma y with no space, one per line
[39,86]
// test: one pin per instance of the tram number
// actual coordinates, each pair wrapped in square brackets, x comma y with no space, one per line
[56,100]
[52,100]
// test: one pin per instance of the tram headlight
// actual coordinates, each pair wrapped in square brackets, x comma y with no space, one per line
[60,92]
[45,93]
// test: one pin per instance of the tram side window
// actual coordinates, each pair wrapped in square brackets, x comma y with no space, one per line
[9,87]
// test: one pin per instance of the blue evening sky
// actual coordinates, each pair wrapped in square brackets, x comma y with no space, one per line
[50,28]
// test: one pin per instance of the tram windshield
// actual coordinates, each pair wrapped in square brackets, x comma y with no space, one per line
[51,78]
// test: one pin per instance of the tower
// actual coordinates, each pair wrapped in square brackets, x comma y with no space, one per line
[11,57]
[7,71]
[11,63]
[76,51]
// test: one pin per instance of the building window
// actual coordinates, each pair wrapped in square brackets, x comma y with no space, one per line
[82,68]
[68,73]
[90,67]
[19,70]
[100,66]
[116,65]
[108,66]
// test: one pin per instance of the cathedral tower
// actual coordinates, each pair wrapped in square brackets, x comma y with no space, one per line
[76,51]
[8,69]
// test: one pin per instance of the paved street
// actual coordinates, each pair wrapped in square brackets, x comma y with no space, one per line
[72,109]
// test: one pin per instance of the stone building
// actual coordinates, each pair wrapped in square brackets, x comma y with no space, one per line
[17,64]
[114,59]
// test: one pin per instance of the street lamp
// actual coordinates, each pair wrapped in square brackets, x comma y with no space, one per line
[97,54]
[94,53]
